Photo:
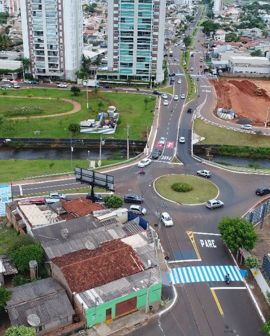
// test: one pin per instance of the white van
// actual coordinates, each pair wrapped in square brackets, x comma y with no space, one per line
[138,209]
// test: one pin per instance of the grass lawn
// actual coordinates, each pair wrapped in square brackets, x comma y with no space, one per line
[7,237]
[135,110]
[23,107]
[221,136]
[203,189]
[167,89]
[14,170]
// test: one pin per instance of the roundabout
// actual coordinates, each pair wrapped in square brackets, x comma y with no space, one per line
[201,190]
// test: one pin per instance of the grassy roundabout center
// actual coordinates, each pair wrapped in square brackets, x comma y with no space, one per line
[202,189]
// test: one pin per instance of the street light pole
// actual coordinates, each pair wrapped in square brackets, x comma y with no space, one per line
[128,142]
[100,149]
[87,105]
[71,151]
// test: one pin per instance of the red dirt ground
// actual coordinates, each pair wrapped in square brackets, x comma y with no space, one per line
[240,96]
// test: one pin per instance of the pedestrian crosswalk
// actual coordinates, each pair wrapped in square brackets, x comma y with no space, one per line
[204,274]
[165,158]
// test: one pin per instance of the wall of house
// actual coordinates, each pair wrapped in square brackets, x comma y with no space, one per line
[96,315]
[57,274]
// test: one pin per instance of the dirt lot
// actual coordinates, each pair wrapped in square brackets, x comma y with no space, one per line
[242,97]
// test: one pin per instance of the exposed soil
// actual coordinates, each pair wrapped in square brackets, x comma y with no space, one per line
[242,97]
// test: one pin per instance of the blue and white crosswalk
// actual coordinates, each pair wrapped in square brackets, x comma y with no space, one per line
[204,274]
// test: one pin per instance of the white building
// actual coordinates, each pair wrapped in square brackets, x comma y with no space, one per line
[249,65]
[136,39]
[53,37]
[218,7]
[12,7]
[220,35]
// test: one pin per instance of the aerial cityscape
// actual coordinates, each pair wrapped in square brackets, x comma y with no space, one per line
[134,167]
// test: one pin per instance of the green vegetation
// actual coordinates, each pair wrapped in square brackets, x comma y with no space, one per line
[209,26]
[5,295]
[167,89]
[232,37]
[202,191]
[130,106]
[7,238]
[252,262]
[23,107]
[256,53]
[75,90]
[220,136]
[26,253]
[237,233]
[20,331]
[3,17]
[14,170]
[187,41]
[181,187]
[113,202]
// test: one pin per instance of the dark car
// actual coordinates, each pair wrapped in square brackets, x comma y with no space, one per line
[133,198]
[155,92]
[262,191]
[172,74]
[97,198]
[156,153]
[189,110]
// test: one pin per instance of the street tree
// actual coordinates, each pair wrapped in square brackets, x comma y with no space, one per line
[5,295]
[25,65]
[187,41]
[75,90]
[237,233]
[24,254]
[20,331]
[252,262]
[113,202]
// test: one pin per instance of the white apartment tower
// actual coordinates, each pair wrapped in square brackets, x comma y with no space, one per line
[10,6]
[136,39]
[53,37]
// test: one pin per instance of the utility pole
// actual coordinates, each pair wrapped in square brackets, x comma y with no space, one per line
[267,115]
[128,142]
[100,149]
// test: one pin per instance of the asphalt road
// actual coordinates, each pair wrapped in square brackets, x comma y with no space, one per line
[195,311]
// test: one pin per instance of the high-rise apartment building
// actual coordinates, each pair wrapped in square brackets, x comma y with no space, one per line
[52,37]
[136,39]
[12,7]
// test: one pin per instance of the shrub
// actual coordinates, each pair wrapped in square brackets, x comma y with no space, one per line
[19,280]
[24,254]
[252,262]
[113,202]
[181,187]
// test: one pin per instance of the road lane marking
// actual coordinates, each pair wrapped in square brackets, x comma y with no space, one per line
[192,240]
[206,233]
[21,191]
[217,301]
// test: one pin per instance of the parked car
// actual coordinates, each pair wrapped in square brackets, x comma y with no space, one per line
[189,110]
[246,127]
[204,173]
[37,200]
[97,197]
[262,191]
[144,162]
[155,92]
[179,81]
[165,103]
[162,141]
[138,209]
[57,195]
[175,97]
[166,219]
[214,203]
[133,198]
[182,140]
[183,96]
[62,85]
[164,96]
[156,154]
[16,86]
[6,86]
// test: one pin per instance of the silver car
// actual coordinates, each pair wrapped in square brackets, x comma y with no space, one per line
[214,203]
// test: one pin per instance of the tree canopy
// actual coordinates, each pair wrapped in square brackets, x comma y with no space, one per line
[5,295]
[210,26]
[24,254]
[20,331]
[237,233]
[187,41]
[113,202]
[75,90]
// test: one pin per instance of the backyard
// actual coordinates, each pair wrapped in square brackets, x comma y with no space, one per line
[135,110]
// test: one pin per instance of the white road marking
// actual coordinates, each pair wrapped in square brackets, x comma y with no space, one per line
[21,191]
[206,233]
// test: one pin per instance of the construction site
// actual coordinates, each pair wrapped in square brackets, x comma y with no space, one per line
[249,99]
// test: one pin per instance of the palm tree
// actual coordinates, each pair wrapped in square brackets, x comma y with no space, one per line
[25,65]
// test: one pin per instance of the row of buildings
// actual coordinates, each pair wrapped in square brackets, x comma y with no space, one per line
[102,265]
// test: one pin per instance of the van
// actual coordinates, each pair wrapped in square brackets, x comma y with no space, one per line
[138,209]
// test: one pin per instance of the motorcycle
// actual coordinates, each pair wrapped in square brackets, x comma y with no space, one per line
[227,279]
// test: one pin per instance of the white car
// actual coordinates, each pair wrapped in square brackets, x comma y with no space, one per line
[62,85]
[179,81]
[183,96]
[247,127]
[204,173]
[138,209]
[175,97]
[144,162]
[214,203]
[165,103]
[164,96]
[54,197]
[182,140]
[166,219]
[162,141]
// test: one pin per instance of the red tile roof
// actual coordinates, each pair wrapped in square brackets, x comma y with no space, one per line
[86,269]
[80,207]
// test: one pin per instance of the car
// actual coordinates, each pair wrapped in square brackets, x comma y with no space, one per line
[179,81]
[175,97]
[172,74]
[162,141]
[182,140]
[166,219]
[37,200]
[183,96]
[155,92]
[246,127]
[144,162]
[62,85]
[214,203]
[164,96]
[191,69]
[138,209]
[189,110]
[54,197]
[6,86]
[262,191]
[97,197]
[57,195]
[16,86]
[204,173]
[156,154]
[165,103]
[133,198]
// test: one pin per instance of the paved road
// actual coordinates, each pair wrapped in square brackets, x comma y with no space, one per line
[195,311]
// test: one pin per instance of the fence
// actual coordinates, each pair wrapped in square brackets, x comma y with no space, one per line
[258,214]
